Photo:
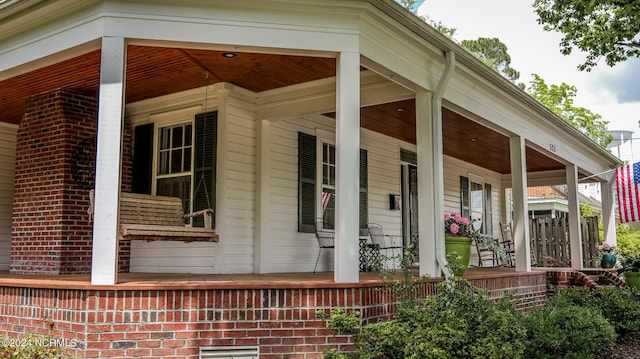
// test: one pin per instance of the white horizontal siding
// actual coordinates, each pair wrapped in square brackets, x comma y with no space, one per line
[173,257]
[293,251]
[453,169]
[238,197]
[7,175]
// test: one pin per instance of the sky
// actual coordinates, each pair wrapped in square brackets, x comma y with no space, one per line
[614,93]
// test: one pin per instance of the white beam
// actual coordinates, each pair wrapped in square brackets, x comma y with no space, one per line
[318,97]
[520,210]
[104,265]
[347,168]
[575,235]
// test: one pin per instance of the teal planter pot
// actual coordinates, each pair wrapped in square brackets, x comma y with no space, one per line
[608,260]
[460,245]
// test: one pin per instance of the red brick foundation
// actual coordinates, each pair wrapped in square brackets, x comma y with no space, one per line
[55,166]
[175,323]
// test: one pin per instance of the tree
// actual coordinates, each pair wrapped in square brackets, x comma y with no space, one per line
[493,53]
[602,28]
[559,99]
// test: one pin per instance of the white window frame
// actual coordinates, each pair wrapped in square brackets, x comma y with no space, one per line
[473,178]
[167,119]
[322,138]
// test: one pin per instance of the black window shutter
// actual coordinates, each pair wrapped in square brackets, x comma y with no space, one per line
[464,197]
[206,139]
[364,197]
[142,172]
[306,182]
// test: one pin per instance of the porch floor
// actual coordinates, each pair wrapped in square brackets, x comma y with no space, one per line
[163,281]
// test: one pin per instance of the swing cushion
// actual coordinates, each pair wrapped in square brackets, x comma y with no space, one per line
[153,218]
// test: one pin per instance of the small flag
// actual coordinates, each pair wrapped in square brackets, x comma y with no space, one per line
[326,198]
[628,192]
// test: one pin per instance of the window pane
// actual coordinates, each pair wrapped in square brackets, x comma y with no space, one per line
[332,154]
[187,160]
[176,161]
[328,208]
[477,208]
[163,163]
[176,187]
[164,138]
[177,137]
[188,133]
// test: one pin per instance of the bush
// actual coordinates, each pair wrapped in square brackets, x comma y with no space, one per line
[567,331]
[628,241]
[457,322]
[32,346]
[620,307]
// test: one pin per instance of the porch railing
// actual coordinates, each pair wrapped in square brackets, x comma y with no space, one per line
[550,245]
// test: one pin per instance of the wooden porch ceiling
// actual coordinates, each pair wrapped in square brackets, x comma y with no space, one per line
[156,71]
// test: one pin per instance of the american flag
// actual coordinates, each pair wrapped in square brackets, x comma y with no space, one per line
[628,192]
[326,198]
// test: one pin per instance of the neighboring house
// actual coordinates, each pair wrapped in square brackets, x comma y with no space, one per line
[390,106]
[552,202]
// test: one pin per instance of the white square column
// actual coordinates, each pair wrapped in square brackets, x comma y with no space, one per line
[104,265]
[430,178]
[347,232]
[575,234]
[517,150]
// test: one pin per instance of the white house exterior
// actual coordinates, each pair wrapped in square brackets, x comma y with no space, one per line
[383,55]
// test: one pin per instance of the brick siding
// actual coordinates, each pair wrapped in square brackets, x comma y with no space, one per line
[175,323]
[55,166]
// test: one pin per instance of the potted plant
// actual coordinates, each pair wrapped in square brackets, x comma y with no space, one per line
[606,255]
[631,271]
[458,236]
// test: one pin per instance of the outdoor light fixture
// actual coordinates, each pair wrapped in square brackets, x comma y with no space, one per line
[473,139]
[229,55]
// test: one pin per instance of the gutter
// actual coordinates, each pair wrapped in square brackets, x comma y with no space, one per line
[438,168]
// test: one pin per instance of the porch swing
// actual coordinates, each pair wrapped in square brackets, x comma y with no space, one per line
[162,218]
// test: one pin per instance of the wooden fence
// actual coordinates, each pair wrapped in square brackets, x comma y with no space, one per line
[550,245]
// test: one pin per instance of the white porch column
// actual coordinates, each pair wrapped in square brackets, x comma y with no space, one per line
[608,210]
[262,196]
[429,216]
[104,265]
[575,234]
[520,209]
[346,260]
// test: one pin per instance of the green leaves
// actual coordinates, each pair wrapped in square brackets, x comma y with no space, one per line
[560,100]
[603,29]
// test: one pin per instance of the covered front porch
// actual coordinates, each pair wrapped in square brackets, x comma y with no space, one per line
[352,87]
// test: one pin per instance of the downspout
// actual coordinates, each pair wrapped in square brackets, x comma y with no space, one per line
[438,168]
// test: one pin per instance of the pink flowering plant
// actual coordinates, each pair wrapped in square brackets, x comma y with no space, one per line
[457,226]
[605,248]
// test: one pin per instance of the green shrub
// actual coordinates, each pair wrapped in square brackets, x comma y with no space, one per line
[619,306]
[567,331]
[456,322]
[628,241]
[33,346]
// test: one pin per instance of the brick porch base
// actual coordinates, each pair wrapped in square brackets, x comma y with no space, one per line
[172,317]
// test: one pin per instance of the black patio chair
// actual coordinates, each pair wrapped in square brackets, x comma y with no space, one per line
[326,239]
